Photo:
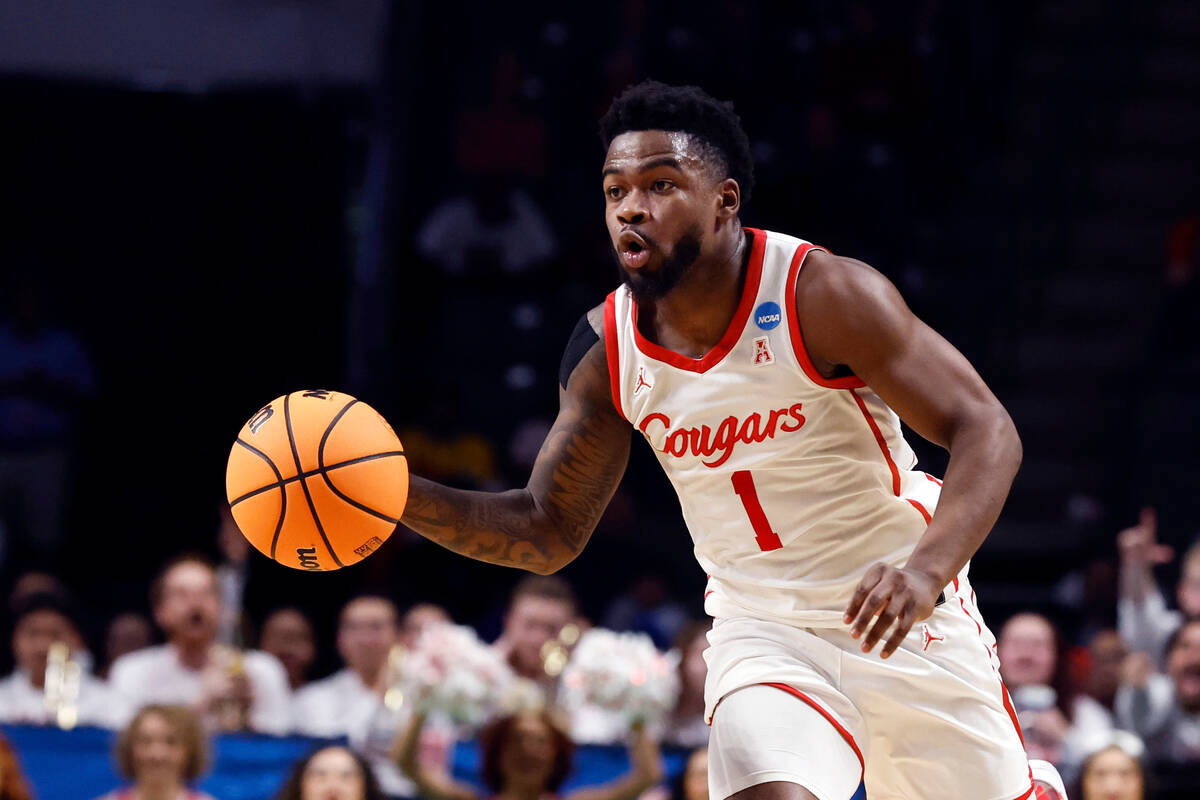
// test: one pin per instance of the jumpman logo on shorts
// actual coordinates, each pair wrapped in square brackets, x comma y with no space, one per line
[929,637]
[642,383]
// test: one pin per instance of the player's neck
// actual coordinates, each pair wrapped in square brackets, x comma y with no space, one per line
[693,316]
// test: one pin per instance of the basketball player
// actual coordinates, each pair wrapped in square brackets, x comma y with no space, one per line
[770,378]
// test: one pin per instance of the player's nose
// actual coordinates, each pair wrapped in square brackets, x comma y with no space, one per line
[632,211]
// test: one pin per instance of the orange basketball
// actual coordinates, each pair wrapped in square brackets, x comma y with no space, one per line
[317,480]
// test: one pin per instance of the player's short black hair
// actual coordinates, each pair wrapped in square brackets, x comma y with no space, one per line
[654,106]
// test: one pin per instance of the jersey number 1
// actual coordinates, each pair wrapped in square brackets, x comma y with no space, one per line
[743,485]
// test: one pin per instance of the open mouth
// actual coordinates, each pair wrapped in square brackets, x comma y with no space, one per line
[634,249]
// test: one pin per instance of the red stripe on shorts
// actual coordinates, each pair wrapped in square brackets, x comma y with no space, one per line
[832,721]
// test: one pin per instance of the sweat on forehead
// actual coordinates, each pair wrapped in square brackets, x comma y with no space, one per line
[632,149]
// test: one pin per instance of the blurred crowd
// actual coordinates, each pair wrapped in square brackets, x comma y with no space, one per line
[1111,706]
[203,678]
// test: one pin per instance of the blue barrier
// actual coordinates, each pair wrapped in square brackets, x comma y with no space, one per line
[78,764]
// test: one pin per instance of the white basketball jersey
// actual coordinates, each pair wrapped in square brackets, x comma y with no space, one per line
[791,483]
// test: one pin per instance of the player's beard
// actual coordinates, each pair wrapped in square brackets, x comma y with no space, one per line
[654,284]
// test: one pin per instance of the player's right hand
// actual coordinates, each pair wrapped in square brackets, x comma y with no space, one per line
[900,597]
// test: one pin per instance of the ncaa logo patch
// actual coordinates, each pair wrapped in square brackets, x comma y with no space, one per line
[767,315]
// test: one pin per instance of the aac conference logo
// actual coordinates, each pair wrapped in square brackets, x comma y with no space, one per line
[767,315]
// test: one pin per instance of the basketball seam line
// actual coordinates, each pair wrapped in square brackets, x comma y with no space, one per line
[329,481]
[283,495]
[282,482]
[312,507]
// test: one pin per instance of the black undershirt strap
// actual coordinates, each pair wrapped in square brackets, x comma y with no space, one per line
[582,339]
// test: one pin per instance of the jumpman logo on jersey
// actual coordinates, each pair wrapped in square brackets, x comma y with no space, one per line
[929,637]
[642,383]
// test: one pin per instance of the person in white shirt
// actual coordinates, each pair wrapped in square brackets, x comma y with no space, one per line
[231,689]
[368,628]
[1143,618]
[350,703]
[1164,709]
[40,621]
[540,607]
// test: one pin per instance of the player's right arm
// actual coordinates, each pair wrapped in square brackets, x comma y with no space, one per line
[542,527]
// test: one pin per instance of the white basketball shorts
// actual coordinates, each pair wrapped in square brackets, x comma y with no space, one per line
[807,706]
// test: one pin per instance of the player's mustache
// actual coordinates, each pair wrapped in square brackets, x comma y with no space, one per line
[648,242]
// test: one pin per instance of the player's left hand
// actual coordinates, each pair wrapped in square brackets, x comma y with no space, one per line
[901,598]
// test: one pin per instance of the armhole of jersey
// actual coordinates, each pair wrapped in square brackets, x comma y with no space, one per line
[849,382]
[611,352]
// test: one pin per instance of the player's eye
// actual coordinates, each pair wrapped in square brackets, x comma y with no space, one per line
[613,192]
[662,185]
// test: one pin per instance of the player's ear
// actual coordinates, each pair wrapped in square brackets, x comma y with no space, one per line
[729,198]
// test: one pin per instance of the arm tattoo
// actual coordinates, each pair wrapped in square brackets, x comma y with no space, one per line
[543,526]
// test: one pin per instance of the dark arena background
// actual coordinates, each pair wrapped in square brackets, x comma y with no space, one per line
[212,204]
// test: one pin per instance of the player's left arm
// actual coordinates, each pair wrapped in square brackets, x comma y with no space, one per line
[852,316]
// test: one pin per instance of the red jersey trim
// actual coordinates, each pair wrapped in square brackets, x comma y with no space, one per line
[887,454]
[1028,793]
[828,716]
[611,352]
[850,382]
[758,247]
[924,512]
[1008,706]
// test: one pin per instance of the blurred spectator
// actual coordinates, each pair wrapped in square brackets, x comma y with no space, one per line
[350,702]
[647,607]
[1164,710]
[161,751]
[331,773]
[126,633]
[1092,713]
[1028,648]
[34,582]
[693,780]
[493,226]
[1114,770]
[289,636]
[230,689]
[540,606]
[231,577]
[686,726]
[418,618]
[344,703]
[45,375]
[13,785]
[1143,618]
[527,755]
[40,623]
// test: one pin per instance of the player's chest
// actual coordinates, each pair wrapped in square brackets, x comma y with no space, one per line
[711,419]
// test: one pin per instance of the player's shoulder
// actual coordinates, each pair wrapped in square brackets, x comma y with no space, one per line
[835,283]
